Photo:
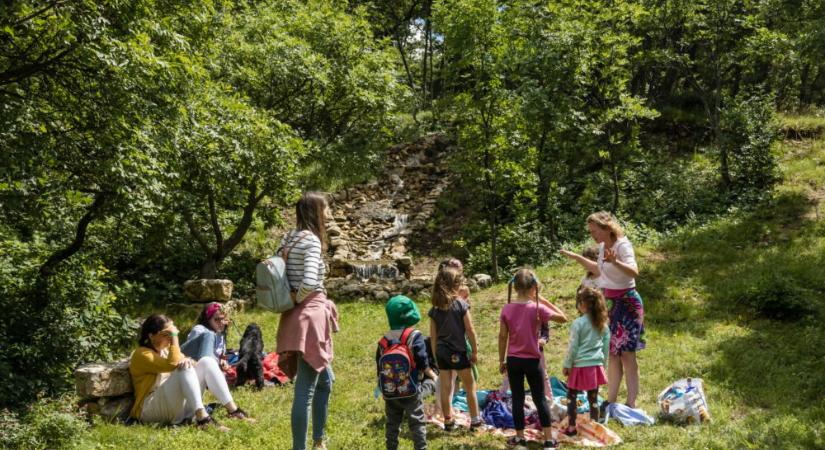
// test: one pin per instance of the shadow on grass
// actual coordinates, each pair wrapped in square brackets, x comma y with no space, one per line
[754,268]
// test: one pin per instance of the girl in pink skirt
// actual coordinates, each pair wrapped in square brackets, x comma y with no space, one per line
[587,353]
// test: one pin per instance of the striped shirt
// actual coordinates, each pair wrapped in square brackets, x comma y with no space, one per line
[305,267]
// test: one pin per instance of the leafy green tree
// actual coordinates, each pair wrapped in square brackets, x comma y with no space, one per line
[229,157]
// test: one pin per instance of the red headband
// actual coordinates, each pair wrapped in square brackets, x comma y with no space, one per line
[212,309]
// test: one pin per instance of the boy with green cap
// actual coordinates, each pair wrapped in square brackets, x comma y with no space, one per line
[401,344]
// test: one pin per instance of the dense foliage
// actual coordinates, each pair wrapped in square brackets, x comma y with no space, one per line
[141,140]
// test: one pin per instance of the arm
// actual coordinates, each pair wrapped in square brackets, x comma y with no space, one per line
[606,346]
[623,258]
[572,346]
[312,260]
[558,315]
[152,362]
[503,335]
[433,337]
[471,334]
[590,266]
[419,351]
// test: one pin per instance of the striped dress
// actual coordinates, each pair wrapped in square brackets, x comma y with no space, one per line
[305,266]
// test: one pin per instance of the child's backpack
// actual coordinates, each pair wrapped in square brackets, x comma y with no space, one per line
[396,365]
[272,290]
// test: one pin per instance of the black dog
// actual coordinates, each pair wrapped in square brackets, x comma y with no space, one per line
[250,365]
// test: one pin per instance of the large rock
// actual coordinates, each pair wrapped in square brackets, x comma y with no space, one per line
[205,290]
[112,409]
[484,281]
[103,379]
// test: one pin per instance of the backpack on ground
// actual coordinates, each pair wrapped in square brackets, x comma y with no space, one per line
[272,286]
[396,366]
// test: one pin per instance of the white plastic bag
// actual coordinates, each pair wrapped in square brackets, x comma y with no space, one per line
[684,401]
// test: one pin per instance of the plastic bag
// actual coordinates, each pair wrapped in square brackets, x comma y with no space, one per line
[684,402]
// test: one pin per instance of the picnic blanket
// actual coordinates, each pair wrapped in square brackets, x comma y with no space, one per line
[273,375]
[496,409]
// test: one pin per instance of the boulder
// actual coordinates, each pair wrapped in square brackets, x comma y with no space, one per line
[205,290]
[472,284]
[484,281]
[103,379]
[112,409]
[336,242]
[381,295]
[333,232]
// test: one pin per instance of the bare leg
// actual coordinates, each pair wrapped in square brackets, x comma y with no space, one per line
[631,368]
[614,377]
[466,376]
[445,392]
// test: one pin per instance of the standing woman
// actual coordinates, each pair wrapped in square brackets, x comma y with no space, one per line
[617,269]
[305,332]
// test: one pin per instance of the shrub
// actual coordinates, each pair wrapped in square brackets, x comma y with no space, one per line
[778,297]
[48,424]
[79,322]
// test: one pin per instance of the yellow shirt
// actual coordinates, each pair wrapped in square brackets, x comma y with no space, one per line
[145,366]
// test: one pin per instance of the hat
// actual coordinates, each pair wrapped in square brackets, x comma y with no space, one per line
[402,312]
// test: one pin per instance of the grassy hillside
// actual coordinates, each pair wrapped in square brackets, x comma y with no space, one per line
[708,289]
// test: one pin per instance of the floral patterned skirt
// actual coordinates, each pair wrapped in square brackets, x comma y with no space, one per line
[627,323]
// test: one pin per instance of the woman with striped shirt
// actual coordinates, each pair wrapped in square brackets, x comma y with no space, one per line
[305,332]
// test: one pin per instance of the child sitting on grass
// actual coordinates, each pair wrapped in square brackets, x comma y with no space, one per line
[404,373]
[586,355]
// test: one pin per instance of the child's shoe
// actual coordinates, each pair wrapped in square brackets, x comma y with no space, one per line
[449,425]
[517,443]
[552,444]
[477,424]
[603,412]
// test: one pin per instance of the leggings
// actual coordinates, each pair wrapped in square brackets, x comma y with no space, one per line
[517,370]
[181,394]
[572,406]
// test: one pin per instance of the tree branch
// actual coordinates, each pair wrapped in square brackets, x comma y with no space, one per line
[193,230]
[48,268]
[246,220]
[216,226]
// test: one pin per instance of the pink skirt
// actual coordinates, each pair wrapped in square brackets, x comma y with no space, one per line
[586,378]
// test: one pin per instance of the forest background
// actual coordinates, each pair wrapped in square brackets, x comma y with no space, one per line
[147,142]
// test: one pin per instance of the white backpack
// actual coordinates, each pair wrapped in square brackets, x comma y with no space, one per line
[272,290]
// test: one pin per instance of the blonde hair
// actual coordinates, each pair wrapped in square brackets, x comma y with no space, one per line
[445,287]
[607,221]
[523,280]
[596,307]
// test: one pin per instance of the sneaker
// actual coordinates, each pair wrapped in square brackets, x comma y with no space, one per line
[477,424]
[517,443]
[552,444]
[240,414]
[319,445]
[209,422]
[603,412]
[449,425]
[570,431]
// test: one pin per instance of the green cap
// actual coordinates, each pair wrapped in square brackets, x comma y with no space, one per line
[402,312]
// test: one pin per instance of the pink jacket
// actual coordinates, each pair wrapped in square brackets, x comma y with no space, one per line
[307,330]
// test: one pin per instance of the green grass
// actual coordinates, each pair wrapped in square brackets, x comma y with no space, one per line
[764,377]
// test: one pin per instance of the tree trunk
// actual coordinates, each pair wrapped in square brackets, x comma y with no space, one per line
[222,249]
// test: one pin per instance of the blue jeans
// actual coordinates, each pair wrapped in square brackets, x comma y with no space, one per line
[197,348]
[313,388]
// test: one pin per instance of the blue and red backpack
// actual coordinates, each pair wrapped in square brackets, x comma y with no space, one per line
[396,367]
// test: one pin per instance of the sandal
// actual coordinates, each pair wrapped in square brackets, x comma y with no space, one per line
[240,414]
[209,422]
